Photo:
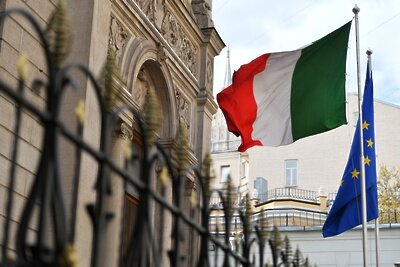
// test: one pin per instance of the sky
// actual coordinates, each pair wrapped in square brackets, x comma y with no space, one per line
[254,27]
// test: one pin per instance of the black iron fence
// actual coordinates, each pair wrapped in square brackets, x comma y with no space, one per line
[162,224]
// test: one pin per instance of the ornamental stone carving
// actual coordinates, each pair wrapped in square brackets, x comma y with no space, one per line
[154,10]
[118,37]
[158,13]
[177,38]
[183,106]
[209,73]
[143,84]
[202,12]
[161,55]
[123,130]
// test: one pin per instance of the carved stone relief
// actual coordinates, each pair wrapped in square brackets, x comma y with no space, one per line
[161,55]
[143,84]
[153,9]
[183,106]
[209,73]
[202,11]
[123,130]
[157,12]
[179,41]
[118,37]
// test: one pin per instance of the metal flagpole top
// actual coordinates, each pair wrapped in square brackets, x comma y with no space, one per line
[356,9]
[369,53]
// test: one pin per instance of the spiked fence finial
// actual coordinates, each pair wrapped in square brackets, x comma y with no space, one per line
[22,66]
[111,74]
[206,172]
[263,228]
[248,213]
[59,33]
[152,115]
[181,147]
[230,196]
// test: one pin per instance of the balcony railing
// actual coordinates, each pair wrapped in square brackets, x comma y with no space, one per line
[331,197]
[288,193]
[228,145]
[287,217]
[271,217]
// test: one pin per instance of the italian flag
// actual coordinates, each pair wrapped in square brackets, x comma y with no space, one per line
[279,98]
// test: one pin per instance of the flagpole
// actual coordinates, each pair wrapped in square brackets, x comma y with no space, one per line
[356,10]
[377,243]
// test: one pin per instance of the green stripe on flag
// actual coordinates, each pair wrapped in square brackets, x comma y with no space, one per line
[318,85]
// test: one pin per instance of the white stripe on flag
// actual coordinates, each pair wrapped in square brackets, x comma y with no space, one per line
[272,89]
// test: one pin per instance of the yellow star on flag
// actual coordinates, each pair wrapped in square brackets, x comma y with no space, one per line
[365,125]
[341,183]
[367,160]
[370,142]
[355,173]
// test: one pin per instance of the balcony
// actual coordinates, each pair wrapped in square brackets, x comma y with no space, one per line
[288,193]
[222,146]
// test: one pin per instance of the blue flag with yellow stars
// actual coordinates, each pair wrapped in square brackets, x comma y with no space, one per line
[345,212]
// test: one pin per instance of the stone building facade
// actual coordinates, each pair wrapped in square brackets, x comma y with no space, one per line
[167,45]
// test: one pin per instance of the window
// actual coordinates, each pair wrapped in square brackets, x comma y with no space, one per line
[291,172]
[244,169]
[225,171]
[261,185]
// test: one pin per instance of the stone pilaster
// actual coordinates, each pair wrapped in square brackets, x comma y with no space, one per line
[114,203]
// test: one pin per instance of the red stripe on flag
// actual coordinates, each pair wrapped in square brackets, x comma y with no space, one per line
[238,104]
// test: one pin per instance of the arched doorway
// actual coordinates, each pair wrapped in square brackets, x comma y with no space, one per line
[147,71]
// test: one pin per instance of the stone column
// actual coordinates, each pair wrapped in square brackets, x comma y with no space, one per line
[114,203]
[89,23]
[206,106]
[163,218]
[191,240]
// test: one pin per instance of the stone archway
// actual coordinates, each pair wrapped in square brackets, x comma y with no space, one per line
[142,68]
[150,75]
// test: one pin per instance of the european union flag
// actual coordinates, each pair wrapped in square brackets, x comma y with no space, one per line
[345,212]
